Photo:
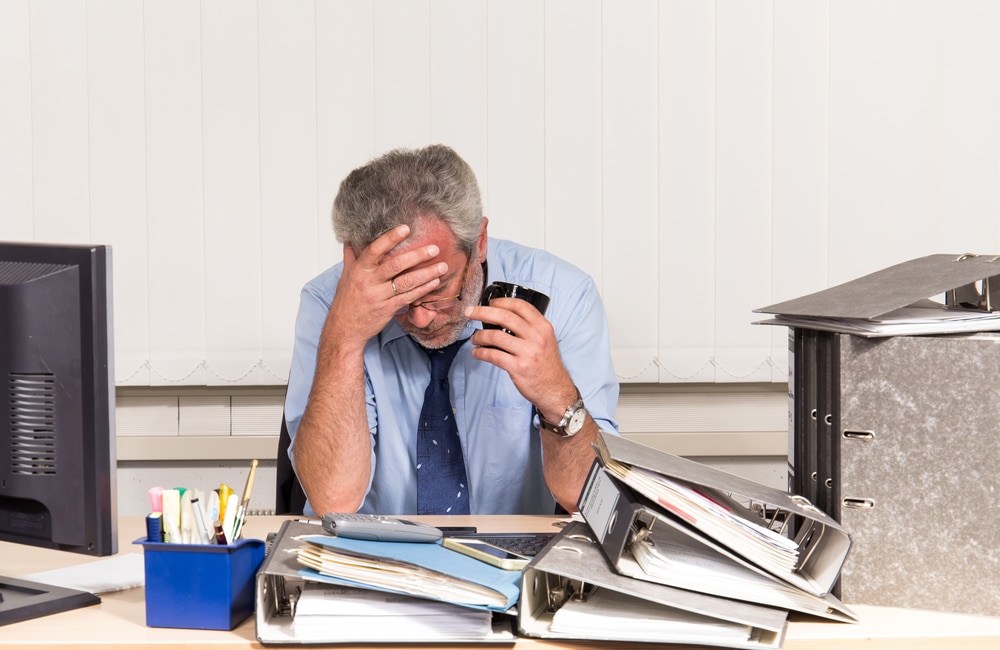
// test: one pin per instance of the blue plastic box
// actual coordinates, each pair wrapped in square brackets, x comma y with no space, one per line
[200,586]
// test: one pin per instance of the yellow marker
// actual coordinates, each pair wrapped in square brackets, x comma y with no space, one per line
[224,492]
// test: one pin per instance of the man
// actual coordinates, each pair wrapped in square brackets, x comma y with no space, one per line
[416,260]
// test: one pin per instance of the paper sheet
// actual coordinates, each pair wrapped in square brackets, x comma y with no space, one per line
[114,573]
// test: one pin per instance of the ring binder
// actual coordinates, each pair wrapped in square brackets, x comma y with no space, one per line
[907,463]
[575,565]
[810,561]
[900,300]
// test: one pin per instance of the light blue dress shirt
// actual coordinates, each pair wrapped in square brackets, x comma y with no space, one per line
[497,426]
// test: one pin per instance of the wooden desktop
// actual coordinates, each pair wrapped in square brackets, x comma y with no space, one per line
[119,621]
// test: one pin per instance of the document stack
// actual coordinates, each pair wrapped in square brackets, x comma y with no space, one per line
[315,588]
[674,551]
[935,294]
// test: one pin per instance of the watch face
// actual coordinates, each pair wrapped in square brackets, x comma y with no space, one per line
[576,420]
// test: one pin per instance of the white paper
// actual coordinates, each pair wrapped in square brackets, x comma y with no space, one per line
[115,573]
[611,614]
[352,613]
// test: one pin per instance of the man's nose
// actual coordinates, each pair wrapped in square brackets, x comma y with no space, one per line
[420,317]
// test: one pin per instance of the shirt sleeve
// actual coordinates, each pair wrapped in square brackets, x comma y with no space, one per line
[313,308]
[585,346]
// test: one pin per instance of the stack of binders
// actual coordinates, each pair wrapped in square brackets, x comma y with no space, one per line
[317,589]
[894,427]
[674,551]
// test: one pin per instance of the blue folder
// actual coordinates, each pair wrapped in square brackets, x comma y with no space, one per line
[432,556]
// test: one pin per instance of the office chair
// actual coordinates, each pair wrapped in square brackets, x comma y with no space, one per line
[289,497]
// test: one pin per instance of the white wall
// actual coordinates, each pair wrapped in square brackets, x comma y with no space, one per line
[699,159]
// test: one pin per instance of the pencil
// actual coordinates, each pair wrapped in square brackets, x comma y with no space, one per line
[242,510]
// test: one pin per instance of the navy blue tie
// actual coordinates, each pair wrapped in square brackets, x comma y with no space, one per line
[442,486]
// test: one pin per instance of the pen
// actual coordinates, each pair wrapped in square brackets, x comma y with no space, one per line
[188,534]
[201,531]
[220,536]
[229,518]
[241,513]
[154,530]
[156,499]
[172,516]
[212,506]
[224,492]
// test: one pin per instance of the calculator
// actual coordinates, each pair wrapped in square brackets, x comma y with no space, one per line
[378,528]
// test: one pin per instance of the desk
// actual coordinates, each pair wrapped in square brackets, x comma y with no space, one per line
[119,621]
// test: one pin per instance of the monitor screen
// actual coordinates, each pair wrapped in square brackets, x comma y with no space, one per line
[57,481]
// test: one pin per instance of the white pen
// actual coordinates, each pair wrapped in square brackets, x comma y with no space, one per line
[172,516]
[229,518]
[199,520]
[188,534]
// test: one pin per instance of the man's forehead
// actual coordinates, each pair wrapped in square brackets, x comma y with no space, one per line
[428,231]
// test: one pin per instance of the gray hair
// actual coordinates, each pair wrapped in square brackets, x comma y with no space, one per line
[405,186]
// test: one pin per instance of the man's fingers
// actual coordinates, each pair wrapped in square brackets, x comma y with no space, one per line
[423,279]
[385,243]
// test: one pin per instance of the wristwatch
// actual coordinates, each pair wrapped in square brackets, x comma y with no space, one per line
[571,422]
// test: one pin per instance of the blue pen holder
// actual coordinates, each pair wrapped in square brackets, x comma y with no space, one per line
[200,586]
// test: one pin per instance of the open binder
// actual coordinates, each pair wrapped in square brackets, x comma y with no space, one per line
[899,300]
[646,544]
[819,547]
[282,581]
[572,576]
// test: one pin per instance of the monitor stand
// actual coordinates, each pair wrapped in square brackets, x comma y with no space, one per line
[21,600]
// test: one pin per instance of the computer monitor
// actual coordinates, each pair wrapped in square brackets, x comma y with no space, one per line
[57,481]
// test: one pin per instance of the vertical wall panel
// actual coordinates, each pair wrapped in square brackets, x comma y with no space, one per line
[699,159]
[174,168]
[16,157]
[743,186]
[801,159]
[288,169]
[885,135]
[231,106]
[630,116]
[345,123]
[573,183]
[61,197]
[687,191]
[458,47]
[402,74]
[515,73]
[117,171]
[970,124]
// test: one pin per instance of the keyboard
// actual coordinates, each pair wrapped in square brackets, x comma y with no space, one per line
[528,544]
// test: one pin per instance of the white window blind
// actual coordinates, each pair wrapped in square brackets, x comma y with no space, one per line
[698,159]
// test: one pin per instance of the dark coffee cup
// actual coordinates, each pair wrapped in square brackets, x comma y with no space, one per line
[510,290]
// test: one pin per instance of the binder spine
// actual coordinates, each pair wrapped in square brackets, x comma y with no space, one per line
[828,481]
[802,452]
[814,447]
[792,386]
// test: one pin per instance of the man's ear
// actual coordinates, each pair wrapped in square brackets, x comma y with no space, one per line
[482,242]
[350,256]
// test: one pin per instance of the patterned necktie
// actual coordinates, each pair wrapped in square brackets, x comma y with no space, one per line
[442,486]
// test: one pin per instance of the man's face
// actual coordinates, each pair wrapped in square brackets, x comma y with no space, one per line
[436,325]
